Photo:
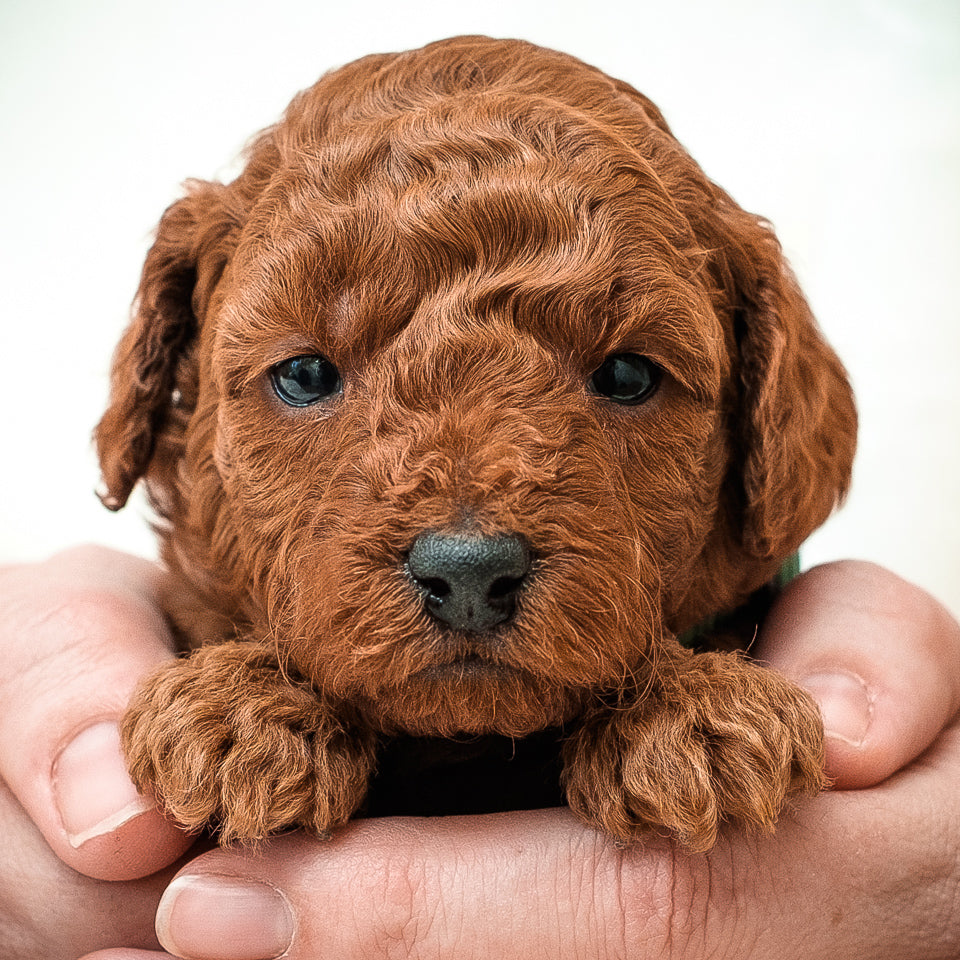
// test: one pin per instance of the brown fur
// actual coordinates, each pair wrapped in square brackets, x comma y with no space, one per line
[467,231]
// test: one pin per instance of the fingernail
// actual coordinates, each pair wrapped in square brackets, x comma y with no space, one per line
[845,704]
[224,918]
[91,787]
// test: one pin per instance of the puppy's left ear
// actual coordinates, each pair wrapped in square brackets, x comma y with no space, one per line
[194,241]
[796,423]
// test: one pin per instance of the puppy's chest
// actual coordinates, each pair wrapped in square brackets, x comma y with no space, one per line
[433,776]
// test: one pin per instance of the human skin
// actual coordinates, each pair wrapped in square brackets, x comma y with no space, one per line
[871,869]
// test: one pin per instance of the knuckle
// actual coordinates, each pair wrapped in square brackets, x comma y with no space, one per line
[678,905]
[402,920]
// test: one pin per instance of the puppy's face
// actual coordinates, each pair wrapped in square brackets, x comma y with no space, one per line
[471,421]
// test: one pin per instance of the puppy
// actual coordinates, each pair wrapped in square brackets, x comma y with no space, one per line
[466,400]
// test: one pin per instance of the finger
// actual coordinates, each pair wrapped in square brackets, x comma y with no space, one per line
[857,874]
[121,954]
[49,910]
[77,633]
[494,886]
[880,656]
[841,876]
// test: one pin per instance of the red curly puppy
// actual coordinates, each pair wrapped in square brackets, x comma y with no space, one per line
[465,400]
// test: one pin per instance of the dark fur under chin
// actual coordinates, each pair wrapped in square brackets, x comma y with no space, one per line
[434,776]
[473,700]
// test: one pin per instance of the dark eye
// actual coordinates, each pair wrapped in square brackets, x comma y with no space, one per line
[301,381]
[626,378]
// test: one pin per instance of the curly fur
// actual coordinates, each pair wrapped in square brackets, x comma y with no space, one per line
[467,231]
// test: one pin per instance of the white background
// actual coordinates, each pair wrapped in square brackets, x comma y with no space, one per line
[837,119]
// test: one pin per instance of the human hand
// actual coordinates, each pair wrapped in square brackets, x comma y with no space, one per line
[856,873]
[76,633]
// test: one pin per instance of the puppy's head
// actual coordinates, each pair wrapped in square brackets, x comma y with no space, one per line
[471,391]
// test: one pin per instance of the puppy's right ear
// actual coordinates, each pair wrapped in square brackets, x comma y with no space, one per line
[194,242]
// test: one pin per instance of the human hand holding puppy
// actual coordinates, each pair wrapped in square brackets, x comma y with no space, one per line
[463,408]
[861,873]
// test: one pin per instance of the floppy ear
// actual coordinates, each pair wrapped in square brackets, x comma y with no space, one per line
[194,241]
[796,423]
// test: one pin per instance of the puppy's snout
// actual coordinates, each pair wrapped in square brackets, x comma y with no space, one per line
[469,582]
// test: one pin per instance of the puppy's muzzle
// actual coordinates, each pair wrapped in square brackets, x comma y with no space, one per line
[469,582]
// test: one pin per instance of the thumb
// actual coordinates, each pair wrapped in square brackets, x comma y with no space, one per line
[121,954]
[879,656]
[77,633]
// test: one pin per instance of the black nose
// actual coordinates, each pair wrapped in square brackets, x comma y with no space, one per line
[469,582]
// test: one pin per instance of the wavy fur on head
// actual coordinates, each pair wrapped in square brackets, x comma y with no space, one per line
[467,232]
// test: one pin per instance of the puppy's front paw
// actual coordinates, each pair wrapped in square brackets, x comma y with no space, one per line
[720,740]
[223,739]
